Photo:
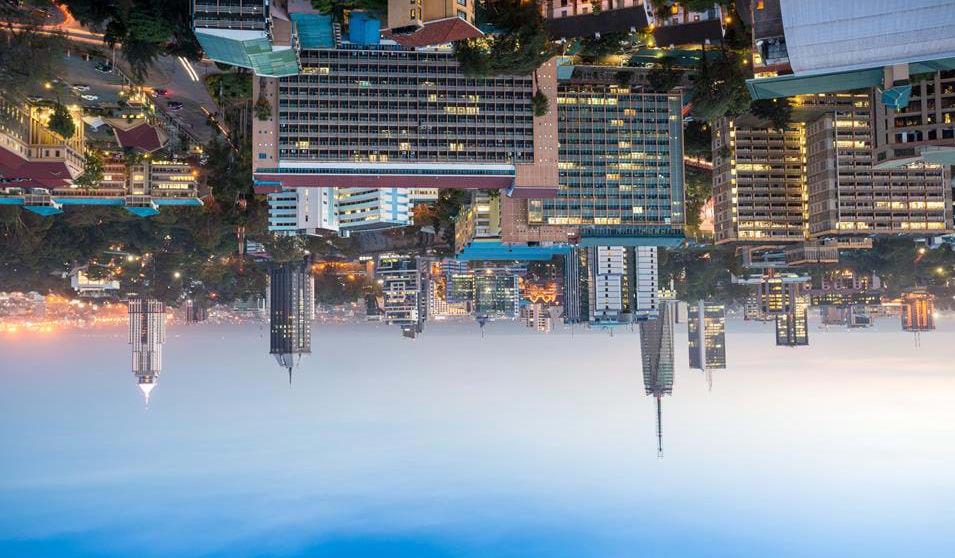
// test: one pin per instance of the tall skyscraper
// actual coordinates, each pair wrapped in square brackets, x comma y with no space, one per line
[291,311]
[147,333]
[706,329]
[656,349]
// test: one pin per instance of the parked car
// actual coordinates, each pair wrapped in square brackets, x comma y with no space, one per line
[160,92]
[104,67]
[80,87]
[90,97]
[174,105]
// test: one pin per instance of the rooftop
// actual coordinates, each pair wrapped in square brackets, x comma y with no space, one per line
[437,32]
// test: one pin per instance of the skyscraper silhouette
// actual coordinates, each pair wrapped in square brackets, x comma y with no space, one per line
[147,333]
[656,349]
[291,310]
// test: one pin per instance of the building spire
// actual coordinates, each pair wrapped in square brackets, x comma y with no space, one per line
[659,427]
[709,379]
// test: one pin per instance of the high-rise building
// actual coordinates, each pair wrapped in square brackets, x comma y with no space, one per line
[497,293]
[424,124]
[147,333]
[291,311]
[539,317]
[918,310]
[706,328]
[620,164]
[758,183]
[656,350]
[365,209]
[303,211]
[400,278]
[439,307]
[848,195]
[621,283]
[816,178]
[792,328]
[801,47]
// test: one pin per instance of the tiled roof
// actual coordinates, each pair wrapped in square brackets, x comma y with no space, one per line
[142,136]
[34,174]
[436,32]
[693,33]
[621,20]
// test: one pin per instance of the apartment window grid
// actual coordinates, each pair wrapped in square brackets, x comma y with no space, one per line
[615,158]
[391,105]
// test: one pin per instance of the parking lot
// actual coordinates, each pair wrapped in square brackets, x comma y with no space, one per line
[168,73]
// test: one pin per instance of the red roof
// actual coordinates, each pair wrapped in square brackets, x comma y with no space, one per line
[142,136]
[436,32]
[35,174]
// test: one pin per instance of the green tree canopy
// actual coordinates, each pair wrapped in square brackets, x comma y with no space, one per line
[520,45]
[92,173]
[777,111]
[61,121]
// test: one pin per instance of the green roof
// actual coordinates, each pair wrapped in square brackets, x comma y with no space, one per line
[253,53]
[795,84]
[275,63]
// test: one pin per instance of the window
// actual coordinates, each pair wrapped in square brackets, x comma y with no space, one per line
[261,155]
[462,2]
[462,14]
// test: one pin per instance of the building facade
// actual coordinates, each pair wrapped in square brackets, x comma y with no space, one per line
[706,328]
[147,333]
[291,311]
[303,211]
[620,164]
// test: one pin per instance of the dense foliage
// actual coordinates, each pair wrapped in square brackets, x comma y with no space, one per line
[519,46]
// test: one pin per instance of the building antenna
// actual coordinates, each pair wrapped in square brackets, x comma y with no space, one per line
[659,428]
[709,379]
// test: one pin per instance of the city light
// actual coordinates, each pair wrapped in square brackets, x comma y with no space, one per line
[177,275]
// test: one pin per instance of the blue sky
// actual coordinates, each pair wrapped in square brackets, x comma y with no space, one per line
[517,445]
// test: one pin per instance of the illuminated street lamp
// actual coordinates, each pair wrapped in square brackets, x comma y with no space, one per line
[177,275]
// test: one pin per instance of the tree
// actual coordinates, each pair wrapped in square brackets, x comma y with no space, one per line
[594,49]
[777,111]
[540,103]
[520,47]
[720,88]
[92,173]
[664,76]
[28,58]
[61,121]
[263,109]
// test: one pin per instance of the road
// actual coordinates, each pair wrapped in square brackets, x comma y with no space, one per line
[182,79]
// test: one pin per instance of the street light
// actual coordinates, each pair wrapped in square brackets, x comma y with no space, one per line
[177,275]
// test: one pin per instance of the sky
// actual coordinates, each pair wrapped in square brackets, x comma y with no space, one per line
[514,445]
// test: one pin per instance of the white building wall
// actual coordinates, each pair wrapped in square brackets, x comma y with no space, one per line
[303,211]
[647,280]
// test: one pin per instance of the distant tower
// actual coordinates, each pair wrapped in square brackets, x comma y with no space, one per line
[706,338]
[291,311]
[147,333]
[656,348]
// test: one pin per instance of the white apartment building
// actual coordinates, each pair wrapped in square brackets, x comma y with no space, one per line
[303,211]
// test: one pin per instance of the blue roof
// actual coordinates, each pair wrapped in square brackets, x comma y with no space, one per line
[364,29]
[314,30]
[497,250]
[142,211]
[44,210]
